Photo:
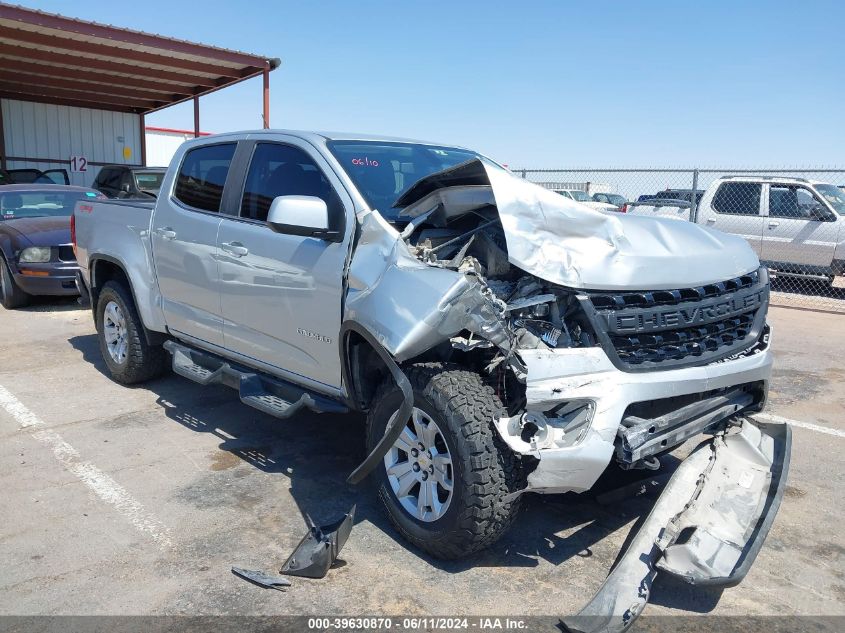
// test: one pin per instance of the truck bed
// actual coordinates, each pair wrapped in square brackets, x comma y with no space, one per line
[119,231]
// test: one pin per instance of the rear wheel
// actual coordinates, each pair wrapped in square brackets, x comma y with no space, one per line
[124,347]
[11,296]
[446,482]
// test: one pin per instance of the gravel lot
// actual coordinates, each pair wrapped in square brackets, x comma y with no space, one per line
[139,500]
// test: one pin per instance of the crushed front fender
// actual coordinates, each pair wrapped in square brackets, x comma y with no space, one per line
[706,527]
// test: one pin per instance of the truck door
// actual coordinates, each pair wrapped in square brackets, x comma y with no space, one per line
[800,230]
[184,238]
[737,208]
[281,294]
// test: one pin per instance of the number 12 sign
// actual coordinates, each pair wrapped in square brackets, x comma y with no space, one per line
[78,164]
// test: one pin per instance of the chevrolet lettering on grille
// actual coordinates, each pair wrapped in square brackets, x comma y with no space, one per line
[690,315]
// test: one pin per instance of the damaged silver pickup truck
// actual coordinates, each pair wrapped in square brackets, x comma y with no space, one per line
[501,338]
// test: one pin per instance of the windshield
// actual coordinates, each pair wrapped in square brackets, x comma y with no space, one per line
[834,196]
[615,199]
[38,204]
[149,180]
[580,196]
[383,171]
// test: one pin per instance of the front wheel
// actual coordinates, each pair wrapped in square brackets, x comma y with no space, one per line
[128,355]
[446,482]
[11,296]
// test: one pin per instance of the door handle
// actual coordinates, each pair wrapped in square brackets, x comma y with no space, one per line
[167,233]
[235,248]
[773,224]
[711,220]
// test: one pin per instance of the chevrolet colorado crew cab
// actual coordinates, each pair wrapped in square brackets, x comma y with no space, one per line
[796,226]
[501,338]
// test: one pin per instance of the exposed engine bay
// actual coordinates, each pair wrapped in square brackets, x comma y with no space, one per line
[537,314]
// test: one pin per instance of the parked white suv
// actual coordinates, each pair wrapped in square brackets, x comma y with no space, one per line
[796,226]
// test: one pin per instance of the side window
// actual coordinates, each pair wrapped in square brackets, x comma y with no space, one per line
[790,202]
[202,176]
[738,198]
[284,170]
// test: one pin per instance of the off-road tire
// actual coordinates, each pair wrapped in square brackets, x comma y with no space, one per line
[11,296]
[484,469]
[143,361]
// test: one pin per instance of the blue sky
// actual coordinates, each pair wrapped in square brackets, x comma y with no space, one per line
[531,84]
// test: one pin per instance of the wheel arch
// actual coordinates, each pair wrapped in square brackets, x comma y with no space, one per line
[361,357]
[104,268]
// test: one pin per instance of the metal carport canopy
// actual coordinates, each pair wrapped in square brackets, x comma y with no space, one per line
[50,58]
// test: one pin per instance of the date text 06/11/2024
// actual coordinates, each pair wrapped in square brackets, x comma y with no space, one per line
[417,623]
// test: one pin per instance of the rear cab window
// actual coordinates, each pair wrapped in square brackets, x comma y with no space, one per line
[202,176]
[738,198]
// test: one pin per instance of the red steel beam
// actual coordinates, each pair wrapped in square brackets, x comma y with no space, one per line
[28,16]
[2,142]
[266,77]
[143,131]
[84,75]
[93,88]
[78,95]
[95,48]
[67,102]
[87,63]
[205,91]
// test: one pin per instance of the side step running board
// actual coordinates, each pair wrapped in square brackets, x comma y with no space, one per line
[269,395]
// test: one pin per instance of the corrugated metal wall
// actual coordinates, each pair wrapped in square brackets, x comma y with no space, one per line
[54,133]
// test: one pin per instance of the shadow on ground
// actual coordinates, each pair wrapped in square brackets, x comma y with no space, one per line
[317,452]
[51,304]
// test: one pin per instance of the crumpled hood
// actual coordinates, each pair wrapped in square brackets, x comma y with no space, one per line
[46,231]
[571,244]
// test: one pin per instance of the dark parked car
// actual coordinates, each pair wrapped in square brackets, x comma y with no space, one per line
[36,257]
[126,181]
[680,194]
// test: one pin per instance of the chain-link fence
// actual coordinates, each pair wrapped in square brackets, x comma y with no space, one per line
[793,218]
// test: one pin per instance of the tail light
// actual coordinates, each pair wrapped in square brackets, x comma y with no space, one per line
[624,208]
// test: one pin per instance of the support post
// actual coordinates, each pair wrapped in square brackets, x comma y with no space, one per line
[143,131]
[693,207]
[2,141]
[266,77]
[196,117]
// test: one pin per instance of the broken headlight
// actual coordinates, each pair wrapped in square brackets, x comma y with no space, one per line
[540,315]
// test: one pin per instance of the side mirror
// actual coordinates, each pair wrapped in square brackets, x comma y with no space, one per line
[301,215]
[125,188]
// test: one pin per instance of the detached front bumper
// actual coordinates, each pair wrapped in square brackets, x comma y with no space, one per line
[707,526]
[582,402]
